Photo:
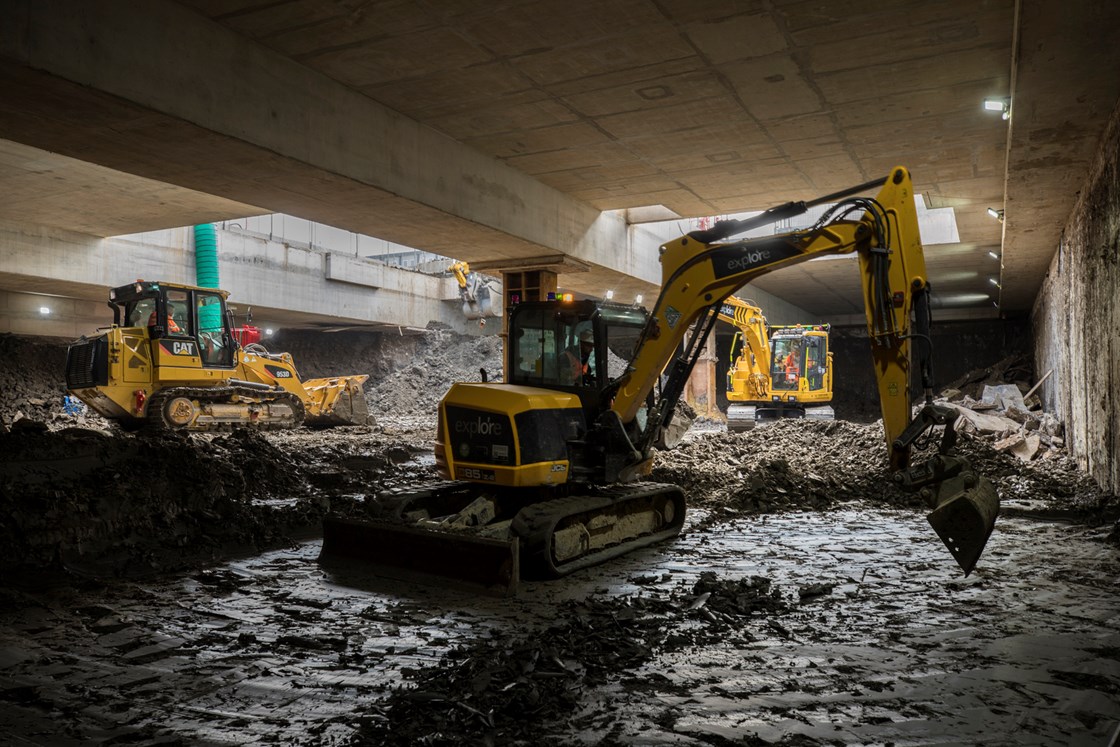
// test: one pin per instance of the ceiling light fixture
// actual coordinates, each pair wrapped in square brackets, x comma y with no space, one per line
[995,282]
[638,298]
[610,294]
[44,310]
[1003,106]
[993,255]
[997,214]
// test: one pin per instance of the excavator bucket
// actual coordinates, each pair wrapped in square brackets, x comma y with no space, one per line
[458,559]
[338,400]
[964,519]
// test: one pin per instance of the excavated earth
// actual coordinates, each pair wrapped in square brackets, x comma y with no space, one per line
[165,590]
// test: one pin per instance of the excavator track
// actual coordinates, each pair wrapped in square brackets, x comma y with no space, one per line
[190,408]
[564,535]
[465,534]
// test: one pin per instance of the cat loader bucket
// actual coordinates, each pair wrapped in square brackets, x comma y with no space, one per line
[338,400]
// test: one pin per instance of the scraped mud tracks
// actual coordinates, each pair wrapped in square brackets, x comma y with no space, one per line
[763,623]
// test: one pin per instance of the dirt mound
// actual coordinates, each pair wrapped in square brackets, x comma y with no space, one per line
[129,504]
[798,465]
[409,374]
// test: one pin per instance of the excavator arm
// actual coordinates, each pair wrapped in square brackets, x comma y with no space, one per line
[702,269]
[751,325]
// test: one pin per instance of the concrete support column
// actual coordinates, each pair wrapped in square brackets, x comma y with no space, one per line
[701,391]
[518,286]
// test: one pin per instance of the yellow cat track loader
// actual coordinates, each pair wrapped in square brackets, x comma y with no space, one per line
[170,360]
[545,473]
[779,371]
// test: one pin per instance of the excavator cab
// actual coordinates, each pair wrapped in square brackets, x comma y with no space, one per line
[798,359]
[573,346]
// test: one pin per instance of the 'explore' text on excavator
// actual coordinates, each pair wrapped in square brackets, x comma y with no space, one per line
[545,471]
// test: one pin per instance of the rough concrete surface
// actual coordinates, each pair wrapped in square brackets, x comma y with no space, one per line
[1077,319]
[166,591]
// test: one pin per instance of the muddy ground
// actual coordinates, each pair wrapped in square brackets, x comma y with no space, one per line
[166,591]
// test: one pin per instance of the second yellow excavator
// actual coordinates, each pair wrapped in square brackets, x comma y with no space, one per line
[780,371]
[545,473]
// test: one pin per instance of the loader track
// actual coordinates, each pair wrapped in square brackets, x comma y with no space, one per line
[156,419]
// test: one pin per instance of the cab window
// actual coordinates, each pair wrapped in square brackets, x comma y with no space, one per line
[178,313]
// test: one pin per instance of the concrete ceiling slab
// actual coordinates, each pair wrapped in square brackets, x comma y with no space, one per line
[701,107]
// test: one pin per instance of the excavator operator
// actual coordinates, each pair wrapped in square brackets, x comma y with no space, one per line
[792,366]
[578,360]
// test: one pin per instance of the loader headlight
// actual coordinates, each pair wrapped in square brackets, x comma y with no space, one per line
[792,398]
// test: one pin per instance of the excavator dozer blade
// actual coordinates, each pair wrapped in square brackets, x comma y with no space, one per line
[965,520]
[457,559]
[338,400]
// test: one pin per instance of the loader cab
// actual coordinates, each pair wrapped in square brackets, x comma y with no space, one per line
[185,319]
[576,346]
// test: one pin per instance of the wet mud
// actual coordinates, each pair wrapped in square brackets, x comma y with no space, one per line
[166,590]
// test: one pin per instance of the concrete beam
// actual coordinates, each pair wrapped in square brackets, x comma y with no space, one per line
[285,285]
[145,88]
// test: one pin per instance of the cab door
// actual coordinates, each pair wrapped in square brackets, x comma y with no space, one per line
[215,342]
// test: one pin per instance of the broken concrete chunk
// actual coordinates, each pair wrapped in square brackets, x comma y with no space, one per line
[985,423]
[1003,396]
[1050,425]
[1023,448]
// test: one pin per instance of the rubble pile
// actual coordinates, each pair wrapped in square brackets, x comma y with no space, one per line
[32,384]
[532,688]
[999,405]
[786,465]
[121,504]
[409,374]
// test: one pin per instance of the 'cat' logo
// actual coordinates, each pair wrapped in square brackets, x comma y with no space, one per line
[179,348]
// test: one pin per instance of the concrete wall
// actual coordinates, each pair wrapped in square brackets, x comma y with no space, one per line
[959,347]
[1076,319]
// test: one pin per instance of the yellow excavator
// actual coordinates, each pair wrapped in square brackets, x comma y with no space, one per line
[780,371]
[172,360]
[544,473]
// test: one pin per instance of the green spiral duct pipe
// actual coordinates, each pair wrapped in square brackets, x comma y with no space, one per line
[206,274]
[206,256]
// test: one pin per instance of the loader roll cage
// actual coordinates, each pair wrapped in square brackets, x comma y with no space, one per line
[178,311]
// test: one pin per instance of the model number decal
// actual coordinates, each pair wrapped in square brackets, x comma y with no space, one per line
[278,372]
[473,473]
